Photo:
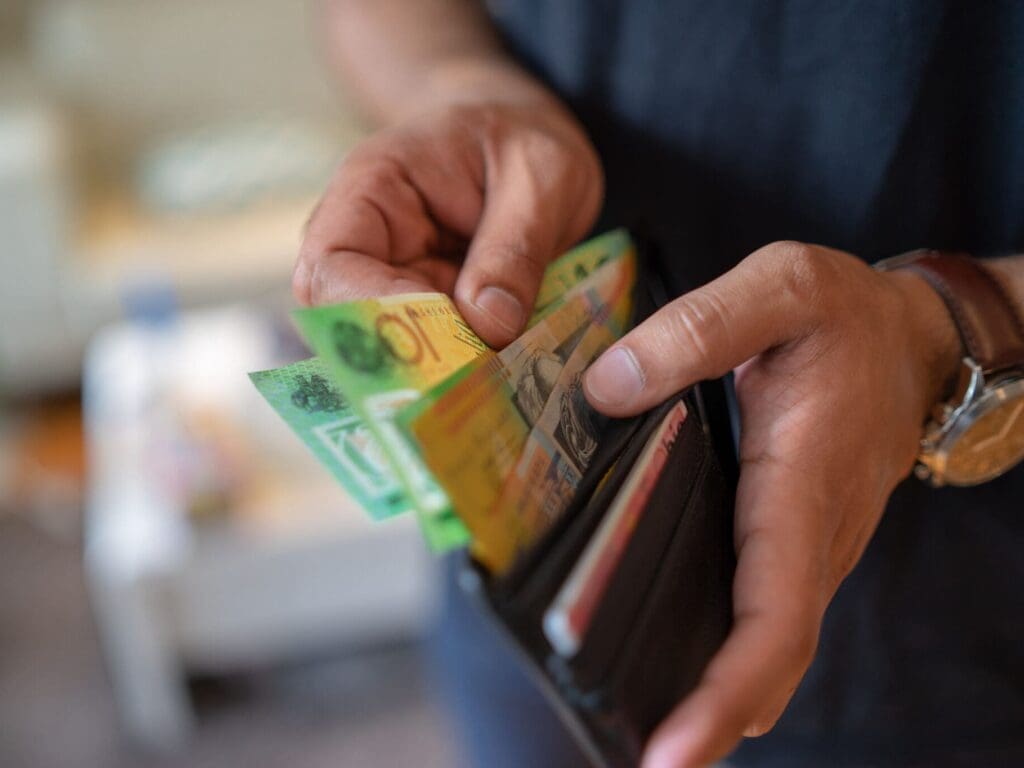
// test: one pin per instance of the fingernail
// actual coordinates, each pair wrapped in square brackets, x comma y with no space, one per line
[615,379]
[502,307]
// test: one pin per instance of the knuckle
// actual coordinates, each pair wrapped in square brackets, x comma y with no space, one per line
[492,122]
[379,177]
[548,152]
[304,270]
[362,159]
[515,262]
[544,167]
[695,321]
[554,168]
[459,115]
[530,260]
[300,284]
[806,273]
[306,284]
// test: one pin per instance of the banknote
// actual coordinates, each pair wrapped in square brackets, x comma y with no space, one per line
[383,354]
[569,616]
[306,398]
[556,453]
[610,290]
[472,430]
[352,446]
[574,266]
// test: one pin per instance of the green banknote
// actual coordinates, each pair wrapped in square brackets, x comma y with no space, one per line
[383,354]
[575,266]
[306,398]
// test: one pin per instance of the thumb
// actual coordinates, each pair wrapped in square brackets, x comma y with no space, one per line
[770,298]
[520,231]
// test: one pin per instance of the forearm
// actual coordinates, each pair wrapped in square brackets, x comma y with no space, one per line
[402,57]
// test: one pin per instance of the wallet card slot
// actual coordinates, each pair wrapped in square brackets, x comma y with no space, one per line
[683,619]
[688,616]
[644,555]
[579,724]
[524,595]
[614,442]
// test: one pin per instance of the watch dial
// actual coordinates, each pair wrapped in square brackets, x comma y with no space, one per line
[990,446]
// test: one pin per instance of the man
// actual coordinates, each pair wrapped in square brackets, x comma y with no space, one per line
[736,134]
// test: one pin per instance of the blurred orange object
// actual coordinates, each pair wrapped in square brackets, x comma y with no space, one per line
[46,460]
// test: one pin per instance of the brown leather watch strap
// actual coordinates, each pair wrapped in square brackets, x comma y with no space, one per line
[989,323]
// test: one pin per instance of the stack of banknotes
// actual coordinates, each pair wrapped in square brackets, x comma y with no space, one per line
[413,413]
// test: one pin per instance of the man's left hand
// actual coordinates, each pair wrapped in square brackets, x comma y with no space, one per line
[837,366]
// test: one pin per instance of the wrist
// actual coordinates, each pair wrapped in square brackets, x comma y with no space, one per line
[477,80]
[936,346]
[499,87]
[938,341]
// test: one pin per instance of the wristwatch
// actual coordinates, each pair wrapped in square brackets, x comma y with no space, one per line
[978,434]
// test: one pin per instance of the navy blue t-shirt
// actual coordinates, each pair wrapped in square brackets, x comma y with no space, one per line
[874,127]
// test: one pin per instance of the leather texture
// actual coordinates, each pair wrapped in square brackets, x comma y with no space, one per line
[665,612]
[990,325]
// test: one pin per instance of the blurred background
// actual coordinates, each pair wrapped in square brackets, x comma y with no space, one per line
[180,584]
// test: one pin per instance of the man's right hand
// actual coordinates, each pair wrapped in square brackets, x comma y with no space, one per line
[470,199]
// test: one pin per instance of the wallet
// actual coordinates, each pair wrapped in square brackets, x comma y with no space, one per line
[666,607]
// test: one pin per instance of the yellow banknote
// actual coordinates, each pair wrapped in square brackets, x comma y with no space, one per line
[548,471]
[471,437]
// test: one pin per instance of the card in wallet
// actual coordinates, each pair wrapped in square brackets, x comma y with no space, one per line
[658,604]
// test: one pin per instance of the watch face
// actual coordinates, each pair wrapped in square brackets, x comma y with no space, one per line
[991,443]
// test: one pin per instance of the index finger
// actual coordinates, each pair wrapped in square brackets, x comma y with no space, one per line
[339,276]
[383,227]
